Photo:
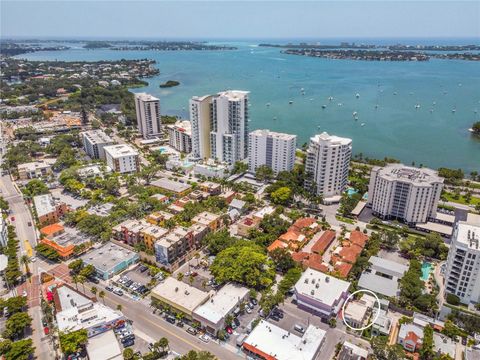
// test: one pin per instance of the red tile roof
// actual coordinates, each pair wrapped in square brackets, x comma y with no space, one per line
[51,229]
[412,336]
[358,238]
[325,240]
[343,268]
[300,256]
[303,223]
[277,244]
[350,253]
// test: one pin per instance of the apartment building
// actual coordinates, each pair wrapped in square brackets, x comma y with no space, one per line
[220,126]
[148,115]
[94,141]
[122,158]
[48,210]
[462,276]
[3,232]
[130,231]
[35,169]
[180,136]
[273,149]
[172,249]
[405,193]
[326,167]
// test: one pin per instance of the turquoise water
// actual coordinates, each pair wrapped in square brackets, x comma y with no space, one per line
[395,128]
[427,268]
[351,191]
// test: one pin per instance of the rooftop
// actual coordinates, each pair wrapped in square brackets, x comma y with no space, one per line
[281,344]
[145,97]
[412,175]
[121,150]
[222,303]
[179,293]
[170,185]
[378,284]
[273,134]
[205,218]
[32,166]
[468,234]
[183,126]
[233,95]
[354,349]
[44,204]
[107,256]
[321,287]
[332,139]
[97,137]
[436,227]
[388,267]
[104,347]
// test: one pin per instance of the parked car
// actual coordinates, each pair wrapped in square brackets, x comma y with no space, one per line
[236,321]
[205,338]
[275,318]
[46,330]
[94,280]
[248,310]
[191,330]
[142,268]
[109,288]
[118,292]
[29,223]
[171,319]
[299,328]
[128,343]
[229,330]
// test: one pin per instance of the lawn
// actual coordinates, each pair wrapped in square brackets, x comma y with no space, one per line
[461,199]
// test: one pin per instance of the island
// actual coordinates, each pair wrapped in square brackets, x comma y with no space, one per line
[170,83]
[8,48]
[367,55]
[167,46]
[97,45]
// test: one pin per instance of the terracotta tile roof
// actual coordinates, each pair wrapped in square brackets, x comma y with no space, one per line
[303,223]
[300,256]
[51,229]
[325,240]
[317,266]
[412,336]
[350,254]
[276,245]
[291,235]
[343,268]
[358,238]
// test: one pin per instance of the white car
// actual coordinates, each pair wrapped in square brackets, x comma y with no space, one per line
[205,338]
[248,310]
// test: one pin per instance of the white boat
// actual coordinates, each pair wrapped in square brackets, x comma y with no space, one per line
[302,89]
[354,113]
[362,124]
[267,104]
[290,102]
[357,95]
[274,118]
[355,118]
[417,106]
[330,98]
[453,110]
[340,104]
[434,103]
[394,93]
[324,106]
[431,110]
[311,99]
[376,106]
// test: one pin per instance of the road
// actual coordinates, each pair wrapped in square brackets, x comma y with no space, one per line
[155,327]
[25,232]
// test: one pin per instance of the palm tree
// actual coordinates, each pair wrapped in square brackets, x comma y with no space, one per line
[101,295]
[197,256]
[75,281]
[119,307]
[25,261]
[162,343]
[180,276]
[82,279]
[94,290]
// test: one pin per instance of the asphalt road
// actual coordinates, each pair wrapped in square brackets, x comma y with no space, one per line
[22,215]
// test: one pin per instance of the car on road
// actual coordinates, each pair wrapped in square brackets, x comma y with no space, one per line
[229,330]
[192,331]
[46,330]
[274,317]
[248,310]
[33,259]
[128,343]
[170,319]
[12,218]
[205,338]
[118,292]
[142,268]
[254,301]
[29,223]
[24,293]
[109,288]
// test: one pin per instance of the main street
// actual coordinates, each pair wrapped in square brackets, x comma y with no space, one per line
[22,215]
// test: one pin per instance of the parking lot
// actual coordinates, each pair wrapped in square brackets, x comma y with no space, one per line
[139,275]
[132,281]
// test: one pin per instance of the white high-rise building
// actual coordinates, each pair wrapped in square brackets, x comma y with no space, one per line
[462,272]
[122,158]
[180,136]
[406,193]
[94,141]
[326,166]
[275,150]
[148,115]
[220,126]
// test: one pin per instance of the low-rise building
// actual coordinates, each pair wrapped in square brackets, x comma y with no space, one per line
[160,197]
[320,293]
[211,315]
[180,136]
[179,296]
[410,336]
[104,346]
[211,169]
[382,276]
[151,234]
[75,311]
[66,244]
[357,312]
[110,259]
[35,169]
[94,142]
[175,187]
[211,187]
[245,225]
[159,217]
[130,231]
[122,158]
[172,249]
[270,342]
[213,221]
[351,351]
[48,210]
[3,231]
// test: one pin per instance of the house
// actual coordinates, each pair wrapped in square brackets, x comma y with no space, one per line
[320,293]
[357,312]
[410,336]
[175,187]
[213,221]
[211,187]
[247,224]
[35,169]
[160,197]
[48,210]
[382,276]
[66,244]
[351,351]
[238,205]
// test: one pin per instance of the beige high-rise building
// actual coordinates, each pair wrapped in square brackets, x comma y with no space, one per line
[405,193]
[148,115]
[326,166]
[200,118]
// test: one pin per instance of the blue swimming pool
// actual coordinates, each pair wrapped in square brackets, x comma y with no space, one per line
[351,191]
[427,268]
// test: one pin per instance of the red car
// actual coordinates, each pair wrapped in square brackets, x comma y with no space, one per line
[46,330]
[12,218]
[229,330]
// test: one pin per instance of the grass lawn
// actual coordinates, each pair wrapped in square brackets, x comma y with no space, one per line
[461,199]
[344,219]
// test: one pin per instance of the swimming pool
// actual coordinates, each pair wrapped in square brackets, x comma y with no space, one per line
[427,268]
[351,191]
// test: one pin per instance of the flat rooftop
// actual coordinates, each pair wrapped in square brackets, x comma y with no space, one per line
[468,235]
[332,139]
[145,97]
[284,345]
[273,134]
[44,204]
[97,137]
[170,185]
[179,293]
[379,284]
[104,346]
[412,175]
[107,256]
[182,126]
[321,287]
[387,267]
[436,227]
[121,150]
[222,303]
[32,166]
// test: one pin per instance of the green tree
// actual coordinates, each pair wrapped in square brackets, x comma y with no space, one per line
[16,324]
[19,350]
[71,342]
[94,290]
[426,351]
[264,173]
[35,187]
[282,196]
[239,167]
[200,355]
[383,351]
[128,354]
[282,259]
[75,266]
[101,295]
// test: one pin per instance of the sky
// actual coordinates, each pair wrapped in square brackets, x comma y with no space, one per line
[229,19]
